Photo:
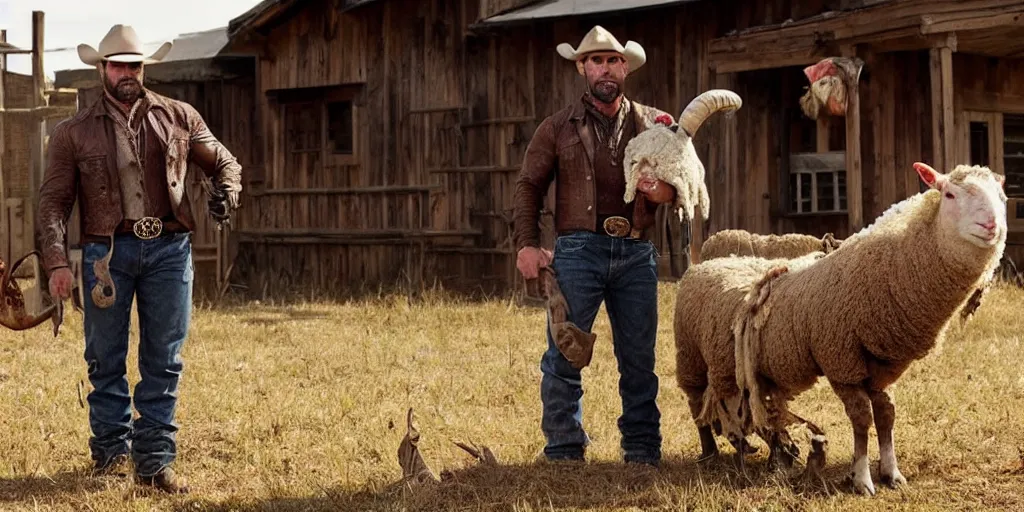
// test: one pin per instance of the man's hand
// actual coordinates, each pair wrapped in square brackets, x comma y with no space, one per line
[656,191]
[218,205]
[530,260]
[60,283]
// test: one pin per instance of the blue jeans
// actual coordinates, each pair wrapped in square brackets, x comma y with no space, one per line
[591,268]
[159,274]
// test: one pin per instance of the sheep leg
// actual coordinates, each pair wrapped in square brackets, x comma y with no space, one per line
[885,417]
[858,408]
[695,399]
[783,451]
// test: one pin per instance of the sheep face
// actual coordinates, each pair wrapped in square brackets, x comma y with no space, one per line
[973,205]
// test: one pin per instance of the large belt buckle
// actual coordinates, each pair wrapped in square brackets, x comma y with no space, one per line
[616,226]
[148,228]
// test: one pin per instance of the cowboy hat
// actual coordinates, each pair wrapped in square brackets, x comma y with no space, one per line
[600,40]
[121,44]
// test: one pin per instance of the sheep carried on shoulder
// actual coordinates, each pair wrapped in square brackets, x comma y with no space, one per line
[863,314]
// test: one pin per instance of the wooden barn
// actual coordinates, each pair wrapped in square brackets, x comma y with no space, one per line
[221,88]
[393,130]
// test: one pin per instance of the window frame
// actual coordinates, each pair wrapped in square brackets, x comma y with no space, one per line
[321,97]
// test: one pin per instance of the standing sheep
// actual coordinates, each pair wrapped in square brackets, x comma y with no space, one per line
[709,299]
[862,315]
[737,242]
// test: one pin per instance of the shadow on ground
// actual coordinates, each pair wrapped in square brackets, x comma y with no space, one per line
[26,488]
[545,486]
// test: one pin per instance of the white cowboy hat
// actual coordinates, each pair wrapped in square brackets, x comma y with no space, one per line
[121,44]
[600,40]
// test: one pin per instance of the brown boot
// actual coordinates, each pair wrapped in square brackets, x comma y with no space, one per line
[118,465]
[166,480]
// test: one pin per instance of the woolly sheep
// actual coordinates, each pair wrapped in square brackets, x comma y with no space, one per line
[709,298]
[738,242]
[862,315]
[661,153]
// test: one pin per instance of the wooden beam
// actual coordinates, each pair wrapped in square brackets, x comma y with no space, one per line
[948,128]
[993,102]
[387,189]
[854,178]
[38,153]
[735,63]
[935,24]
[935,83]
[5,233]
[916,42]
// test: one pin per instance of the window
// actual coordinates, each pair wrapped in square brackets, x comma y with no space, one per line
[996,140]
[1013,154]
[339,127]
[817,182]
[318,122]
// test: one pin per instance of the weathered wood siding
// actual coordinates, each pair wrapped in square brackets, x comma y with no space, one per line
[985,89]
[443,118]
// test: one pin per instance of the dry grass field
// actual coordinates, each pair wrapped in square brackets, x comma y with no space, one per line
[302,407]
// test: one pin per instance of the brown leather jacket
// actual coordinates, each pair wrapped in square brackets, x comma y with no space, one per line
[562,150]
[81,165]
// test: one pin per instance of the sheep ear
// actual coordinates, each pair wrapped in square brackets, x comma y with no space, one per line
[1000,179]
[930,176]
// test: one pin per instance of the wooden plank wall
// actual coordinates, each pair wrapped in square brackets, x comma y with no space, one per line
[895,132]
[446,117]
[989,85]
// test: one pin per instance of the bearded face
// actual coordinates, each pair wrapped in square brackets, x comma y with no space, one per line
[123,80]
[606,74]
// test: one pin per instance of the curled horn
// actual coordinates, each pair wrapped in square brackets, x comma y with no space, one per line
[700,108]
[12,302]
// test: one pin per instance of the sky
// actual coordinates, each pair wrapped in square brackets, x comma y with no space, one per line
[71,22]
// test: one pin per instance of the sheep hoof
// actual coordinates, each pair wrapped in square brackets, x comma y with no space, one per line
[863,485]
[895,480]
[707,457]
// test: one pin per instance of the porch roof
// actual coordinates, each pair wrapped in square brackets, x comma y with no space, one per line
[887,26]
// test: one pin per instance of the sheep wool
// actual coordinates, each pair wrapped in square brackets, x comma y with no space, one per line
[738,242]
[862,315]
[709,298]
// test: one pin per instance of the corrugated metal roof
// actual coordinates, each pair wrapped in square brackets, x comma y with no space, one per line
[560,8]
[198,45]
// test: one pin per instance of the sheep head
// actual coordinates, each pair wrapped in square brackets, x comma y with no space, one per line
[973,204]
[12,301]
[661,153]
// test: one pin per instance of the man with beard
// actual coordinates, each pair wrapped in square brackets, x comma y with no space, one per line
[126,160]
[600,253]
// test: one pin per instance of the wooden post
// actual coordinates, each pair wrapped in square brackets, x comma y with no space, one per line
[854,177]
[38,154]
[5,230]
[948,130]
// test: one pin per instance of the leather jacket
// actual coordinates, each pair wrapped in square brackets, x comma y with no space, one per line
[81,165]
[562,151]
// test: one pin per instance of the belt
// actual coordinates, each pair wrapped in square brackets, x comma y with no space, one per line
[148,228]
[617,226]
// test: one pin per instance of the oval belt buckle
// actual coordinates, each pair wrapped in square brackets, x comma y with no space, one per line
[616,226]
[148,228]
